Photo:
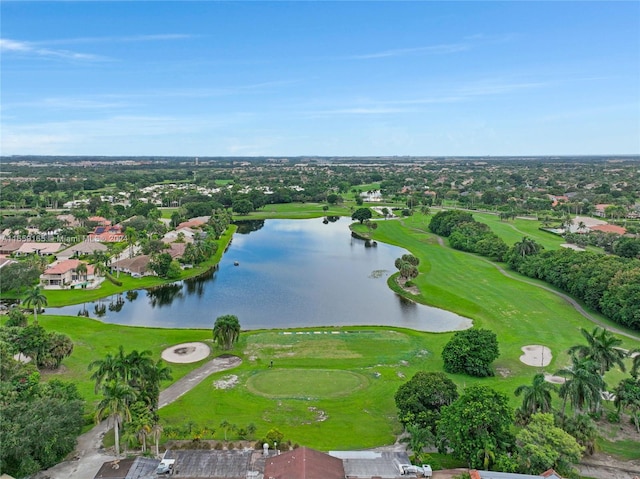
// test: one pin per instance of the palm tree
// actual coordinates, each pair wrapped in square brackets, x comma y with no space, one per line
[156,432]
[536,397]
[36,299]
[526,247]
[635,368]
[582,386]
[602,348]
[107,369]
[628,397]
[132,236]
[81,271]
[115,406]
[226,331]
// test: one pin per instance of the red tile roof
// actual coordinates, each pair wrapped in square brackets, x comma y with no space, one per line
[303,463]
[609,229]
[62,267]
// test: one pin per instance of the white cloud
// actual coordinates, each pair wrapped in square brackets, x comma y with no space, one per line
[26,48]
[428,50]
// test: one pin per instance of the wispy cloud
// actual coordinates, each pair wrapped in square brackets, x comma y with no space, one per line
[8,46]
[466,43]
[120,39]
[427,50]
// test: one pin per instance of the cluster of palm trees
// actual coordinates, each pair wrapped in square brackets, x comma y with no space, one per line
[130,385]
[584,383]
[226,331]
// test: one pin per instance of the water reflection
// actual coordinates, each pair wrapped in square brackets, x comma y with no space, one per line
[284,274]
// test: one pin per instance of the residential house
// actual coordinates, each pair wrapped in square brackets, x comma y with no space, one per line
[131,468]
[82,249]
[99,220]
[619,230]
[187,235]
[176,250]
[197,464]
[192,223]
[41,249]
[374,464]
[600,210]
[136,266]
[9,246]
[107,234]
[304,463]
[63,273]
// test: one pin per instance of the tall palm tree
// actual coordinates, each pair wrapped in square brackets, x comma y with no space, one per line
[107,369]
[226,331]
[536,397]
[582,386]
[602,347]
[156,433]
[36,299]
[117,397]
[526,247]
[81,271]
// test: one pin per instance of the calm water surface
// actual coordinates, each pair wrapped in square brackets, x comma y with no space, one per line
[290,273]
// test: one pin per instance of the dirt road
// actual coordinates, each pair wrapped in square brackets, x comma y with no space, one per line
[89,456]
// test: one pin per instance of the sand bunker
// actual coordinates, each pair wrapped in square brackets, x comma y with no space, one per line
[186,353]
[536,355]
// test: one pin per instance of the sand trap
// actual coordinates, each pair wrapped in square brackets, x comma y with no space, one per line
[550,378]
[536,355]
[186,353]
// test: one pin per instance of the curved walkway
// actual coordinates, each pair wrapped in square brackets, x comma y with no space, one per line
[89,456]
[577,306]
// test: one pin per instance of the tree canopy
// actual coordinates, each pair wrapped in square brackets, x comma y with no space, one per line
[476,424]
[420,399]
[361,214]
[471,352]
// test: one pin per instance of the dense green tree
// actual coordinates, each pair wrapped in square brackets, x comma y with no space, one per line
[540,446]
[19,276]
[362,214]
[420,399]
[242,207]
[471,352]
[160,264]
[444,222]
[627,247]
[226,331]
[477,422]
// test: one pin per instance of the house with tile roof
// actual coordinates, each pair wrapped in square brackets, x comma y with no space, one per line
[63,274]
[303,463]
[41,249]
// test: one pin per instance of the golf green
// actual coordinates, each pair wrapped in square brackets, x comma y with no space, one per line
[305,383]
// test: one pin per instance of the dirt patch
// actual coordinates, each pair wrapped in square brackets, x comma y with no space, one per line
[536,355]
[226,382]
[402,282]
[554,379]
[503,372]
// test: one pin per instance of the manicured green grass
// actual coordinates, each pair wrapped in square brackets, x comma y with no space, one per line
[305,383]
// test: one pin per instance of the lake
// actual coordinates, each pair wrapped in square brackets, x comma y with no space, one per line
[282,274]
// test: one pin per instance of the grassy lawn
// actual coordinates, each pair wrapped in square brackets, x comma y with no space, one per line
[353,408]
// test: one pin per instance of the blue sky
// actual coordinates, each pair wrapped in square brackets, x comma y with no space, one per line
[320,78]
